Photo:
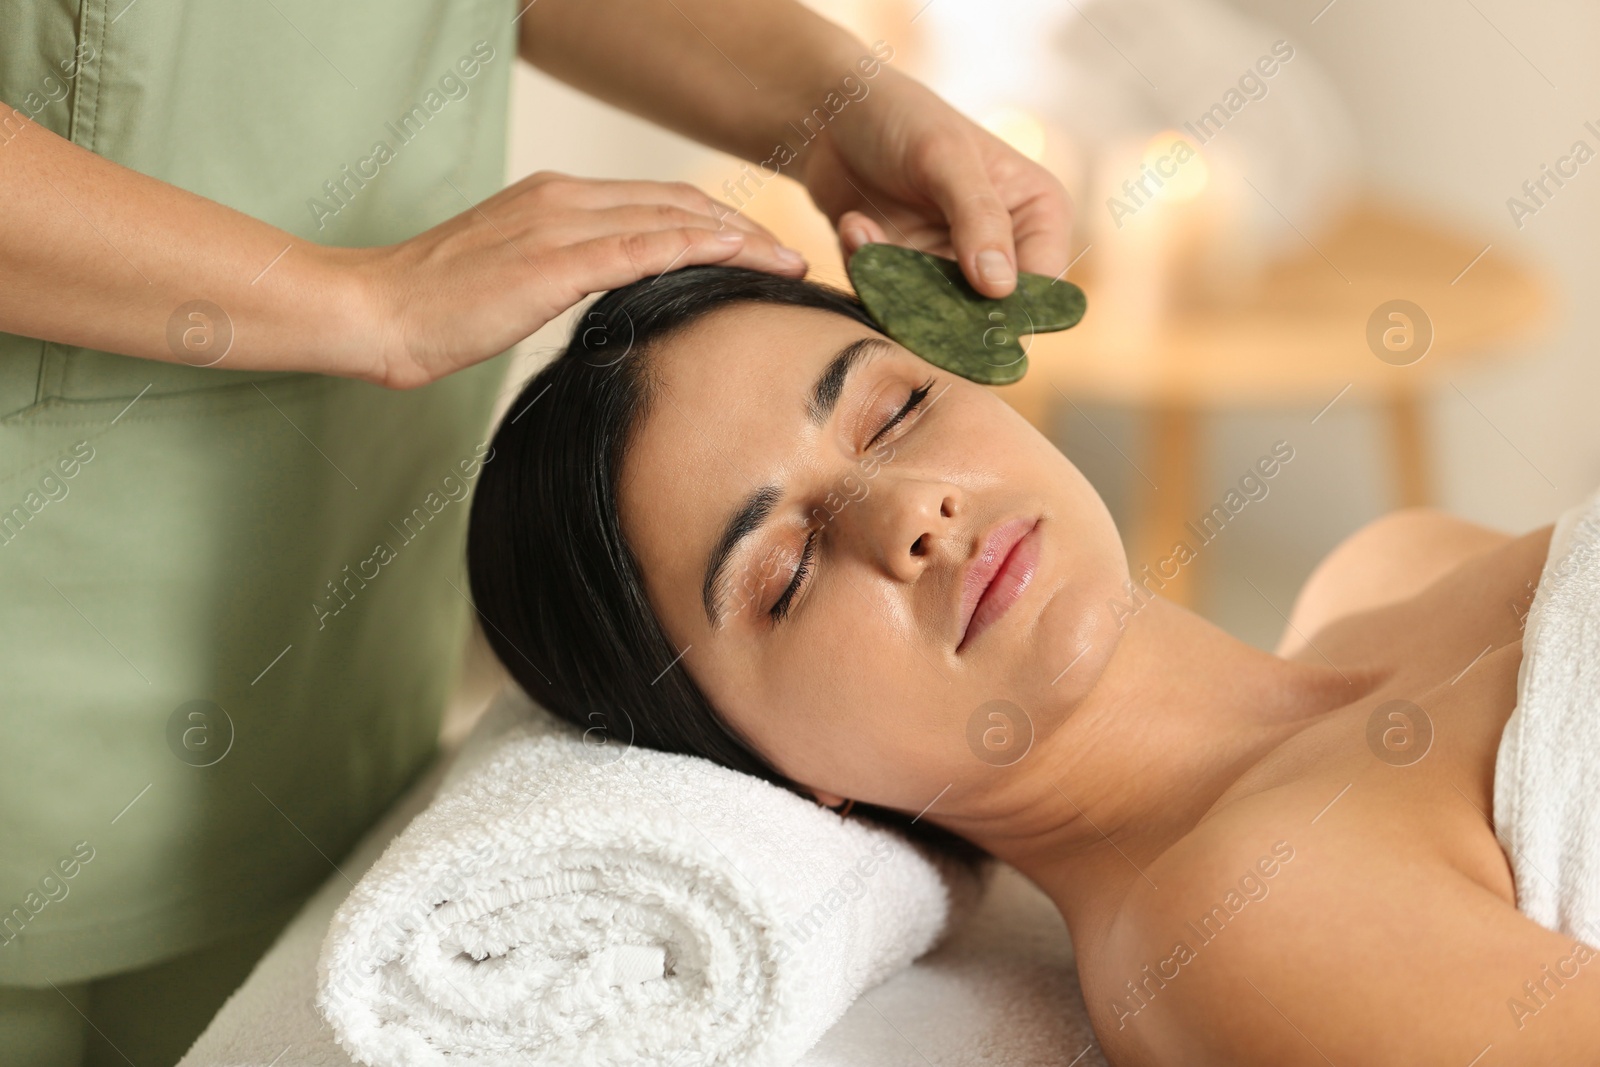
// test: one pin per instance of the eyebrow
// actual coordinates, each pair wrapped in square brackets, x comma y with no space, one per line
[830,383]
[756,508]
[745,520]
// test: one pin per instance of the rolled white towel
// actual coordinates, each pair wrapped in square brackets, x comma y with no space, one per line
[566,903]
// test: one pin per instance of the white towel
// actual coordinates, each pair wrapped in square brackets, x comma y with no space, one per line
[1546,796]
[555,904]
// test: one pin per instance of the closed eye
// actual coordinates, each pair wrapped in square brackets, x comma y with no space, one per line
[780,608]
[913,402]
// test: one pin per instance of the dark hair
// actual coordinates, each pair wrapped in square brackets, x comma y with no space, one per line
[560,593]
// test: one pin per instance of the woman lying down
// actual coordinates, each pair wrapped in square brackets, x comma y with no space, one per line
[860,567]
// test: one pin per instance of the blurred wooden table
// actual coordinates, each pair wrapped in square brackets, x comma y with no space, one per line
[1299,339]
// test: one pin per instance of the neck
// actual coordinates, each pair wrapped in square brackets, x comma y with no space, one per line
[1179,712]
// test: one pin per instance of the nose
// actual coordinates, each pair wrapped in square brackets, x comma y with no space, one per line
[905,522]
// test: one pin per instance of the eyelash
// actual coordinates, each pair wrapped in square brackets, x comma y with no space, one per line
[780,607]
[914,401]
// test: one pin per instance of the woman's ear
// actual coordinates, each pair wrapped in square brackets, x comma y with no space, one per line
[827,800]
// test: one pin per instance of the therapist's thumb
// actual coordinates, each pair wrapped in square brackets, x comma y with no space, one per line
[980,225]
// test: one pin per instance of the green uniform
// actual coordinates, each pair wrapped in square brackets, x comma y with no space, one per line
[232,601]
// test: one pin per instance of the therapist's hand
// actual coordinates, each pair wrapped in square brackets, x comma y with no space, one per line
[96,255]
[904,167]
[487,278]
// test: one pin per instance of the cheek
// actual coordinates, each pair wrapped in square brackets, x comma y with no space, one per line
[852,709]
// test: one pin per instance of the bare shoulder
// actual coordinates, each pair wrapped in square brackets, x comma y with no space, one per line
[1388,560]
[1281,934]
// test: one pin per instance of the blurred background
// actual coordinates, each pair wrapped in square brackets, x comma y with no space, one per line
[1364,230]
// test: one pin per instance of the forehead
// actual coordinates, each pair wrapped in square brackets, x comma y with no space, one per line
[742,360]
[727,415]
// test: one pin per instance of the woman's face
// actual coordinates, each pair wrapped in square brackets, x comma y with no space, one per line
[841,504]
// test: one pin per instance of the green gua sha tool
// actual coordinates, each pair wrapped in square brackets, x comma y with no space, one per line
[925,303]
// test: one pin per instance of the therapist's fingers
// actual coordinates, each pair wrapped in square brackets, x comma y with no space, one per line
[678,194]
[622,258]
[660,216]
[980,223]
[547,214]
[857,228]
[568,210]
[1040,226]
[595,194]
[760,250]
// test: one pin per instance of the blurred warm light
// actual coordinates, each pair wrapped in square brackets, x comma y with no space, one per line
[1191,175]
[1020,129]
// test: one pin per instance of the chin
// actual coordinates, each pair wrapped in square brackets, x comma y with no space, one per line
[1063,653]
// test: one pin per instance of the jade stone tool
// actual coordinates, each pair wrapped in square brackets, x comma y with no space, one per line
[925,303]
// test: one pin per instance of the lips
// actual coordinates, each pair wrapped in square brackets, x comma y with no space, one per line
[997,576]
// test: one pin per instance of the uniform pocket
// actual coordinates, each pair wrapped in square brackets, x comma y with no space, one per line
[40,377]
